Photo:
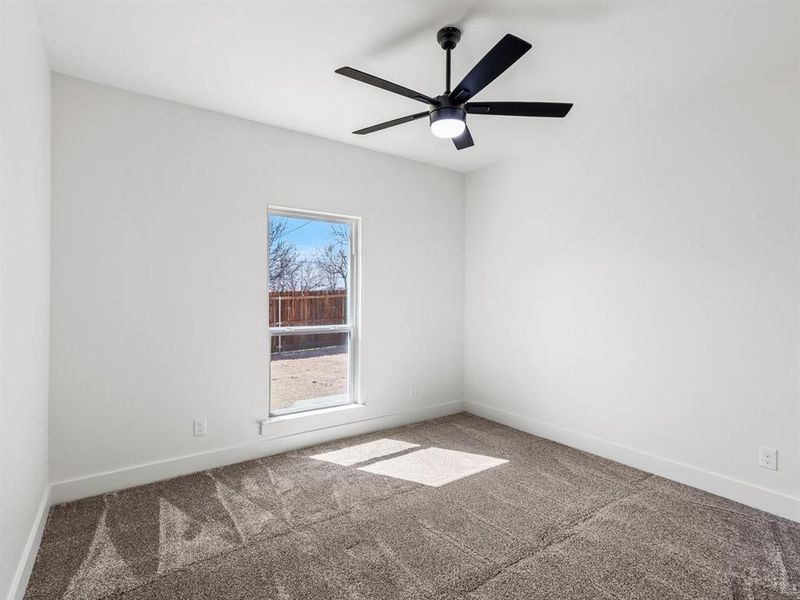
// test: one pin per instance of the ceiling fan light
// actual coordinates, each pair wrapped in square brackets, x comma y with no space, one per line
[448,128]
[448,122]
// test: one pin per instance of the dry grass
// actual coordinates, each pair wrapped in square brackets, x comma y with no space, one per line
[307,374]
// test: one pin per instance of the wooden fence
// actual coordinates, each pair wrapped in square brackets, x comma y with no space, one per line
[317,307]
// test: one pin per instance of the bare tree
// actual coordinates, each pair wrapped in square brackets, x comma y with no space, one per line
[333,259]
[308,276]
[283,264]
[291,271]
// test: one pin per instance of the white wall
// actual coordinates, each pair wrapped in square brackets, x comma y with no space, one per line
[635,289]
[159,275]
[24,286]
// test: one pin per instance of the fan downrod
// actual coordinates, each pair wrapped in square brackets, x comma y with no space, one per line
[448,37]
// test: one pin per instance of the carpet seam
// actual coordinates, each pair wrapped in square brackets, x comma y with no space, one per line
[567,535]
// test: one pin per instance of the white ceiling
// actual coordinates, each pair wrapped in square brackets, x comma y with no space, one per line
[274,62]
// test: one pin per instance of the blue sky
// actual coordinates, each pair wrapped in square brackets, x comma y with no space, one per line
[306,234]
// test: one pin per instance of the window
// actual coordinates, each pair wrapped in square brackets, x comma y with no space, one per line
[313,271]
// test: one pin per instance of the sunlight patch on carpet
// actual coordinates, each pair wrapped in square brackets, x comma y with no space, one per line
[363,452]
[434,466]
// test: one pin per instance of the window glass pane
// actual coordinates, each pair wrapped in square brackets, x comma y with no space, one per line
[309,371]
[309,266]
[310,280]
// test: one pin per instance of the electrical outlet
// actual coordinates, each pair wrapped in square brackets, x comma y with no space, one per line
[200,427]
[412,392]
[768,458]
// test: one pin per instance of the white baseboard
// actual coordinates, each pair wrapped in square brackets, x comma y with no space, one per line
[109,481]
[20,581]
[770,501]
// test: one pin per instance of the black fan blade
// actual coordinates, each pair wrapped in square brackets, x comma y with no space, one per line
[384,85]
[464,140]
[505,53]
[519,109]
[391,123]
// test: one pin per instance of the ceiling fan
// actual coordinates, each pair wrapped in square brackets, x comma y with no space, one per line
[448,112]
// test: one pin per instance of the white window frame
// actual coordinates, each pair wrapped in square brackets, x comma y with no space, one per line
[351,327]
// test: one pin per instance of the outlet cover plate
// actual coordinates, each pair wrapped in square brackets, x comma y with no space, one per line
[768,458]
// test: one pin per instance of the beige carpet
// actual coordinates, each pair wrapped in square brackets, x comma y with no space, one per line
[550,523]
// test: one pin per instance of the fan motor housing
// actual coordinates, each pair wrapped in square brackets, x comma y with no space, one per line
[448,112]
[447,109]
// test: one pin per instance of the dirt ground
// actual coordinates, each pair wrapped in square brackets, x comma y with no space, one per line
[307,374]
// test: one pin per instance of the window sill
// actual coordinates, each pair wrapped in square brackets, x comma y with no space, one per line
[308,413]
